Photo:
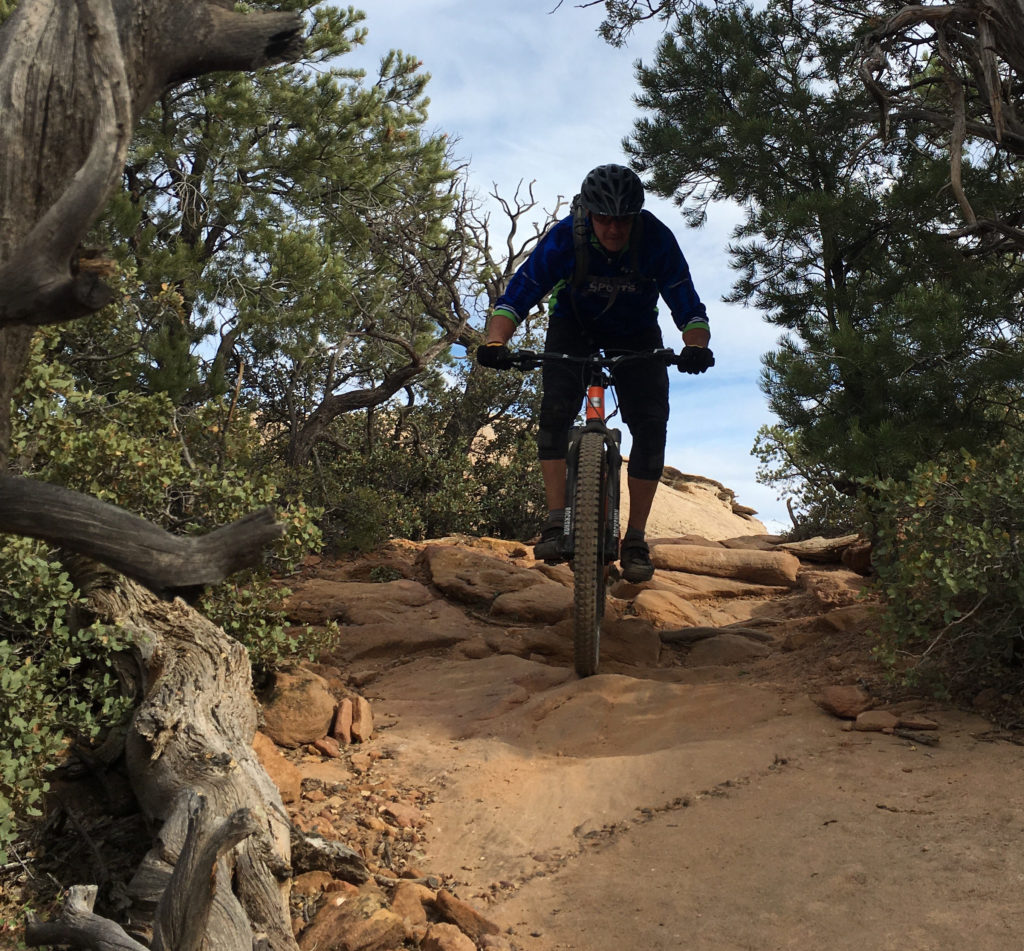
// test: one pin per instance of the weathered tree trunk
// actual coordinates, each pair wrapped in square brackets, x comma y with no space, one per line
[196,777]
[75,75]
[130,544]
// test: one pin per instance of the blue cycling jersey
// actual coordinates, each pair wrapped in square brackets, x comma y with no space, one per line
[619,294]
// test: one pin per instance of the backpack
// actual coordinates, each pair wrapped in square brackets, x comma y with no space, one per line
[581,243]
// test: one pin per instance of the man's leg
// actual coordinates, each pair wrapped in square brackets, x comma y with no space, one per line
[553,471]
[643,395]
[641,498]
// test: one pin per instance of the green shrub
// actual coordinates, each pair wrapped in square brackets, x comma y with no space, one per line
[949,564]
[56,677]
[186,471]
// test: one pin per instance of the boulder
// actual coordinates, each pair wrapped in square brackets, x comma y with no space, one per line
[298,709]
[320,600]
[474,578]
[538,603]
[759,567]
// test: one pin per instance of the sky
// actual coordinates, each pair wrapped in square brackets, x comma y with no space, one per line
[531,93]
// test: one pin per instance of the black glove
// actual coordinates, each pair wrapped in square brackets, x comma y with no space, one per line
[695,359]
[494,355]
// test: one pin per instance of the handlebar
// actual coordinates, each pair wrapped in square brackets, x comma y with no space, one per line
[532,359]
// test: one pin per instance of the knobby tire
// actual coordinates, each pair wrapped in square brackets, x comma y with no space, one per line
[589,571]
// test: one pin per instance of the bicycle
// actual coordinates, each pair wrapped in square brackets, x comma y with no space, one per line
[590,538]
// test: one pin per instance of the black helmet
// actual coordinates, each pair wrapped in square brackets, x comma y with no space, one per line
[612,190]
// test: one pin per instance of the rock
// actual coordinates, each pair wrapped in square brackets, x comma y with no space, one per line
[834,588]
[282,772]
[876,721]
[320,600]
[472,578]
[315,853]
[362,720]
[847,702]
[341,728]
[759,567]
[434,626]
[539,603]
[496,942]
[630,640]
[723,650]
[411,902]
[406,816]
[852,618]
[692,505]
[467,918]
[310,884]
[299,709]
[665,609]
[446,937]
[344,924]
[755,542]
[858,557]
[328,746]
[698,587]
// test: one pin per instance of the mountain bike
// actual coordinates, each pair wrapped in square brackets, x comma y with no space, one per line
[590,538]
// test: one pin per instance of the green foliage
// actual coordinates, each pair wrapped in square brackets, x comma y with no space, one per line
[900,342]
[57,679]
[951,571]
[187,471]
[393,490]
[814,503]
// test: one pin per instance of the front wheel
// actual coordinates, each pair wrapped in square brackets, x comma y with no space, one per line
[589,571]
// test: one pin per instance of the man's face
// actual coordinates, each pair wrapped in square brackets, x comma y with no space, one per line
[612,230]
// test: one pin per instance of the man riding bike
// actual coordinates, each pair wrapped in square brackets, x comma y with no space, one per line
[605,267]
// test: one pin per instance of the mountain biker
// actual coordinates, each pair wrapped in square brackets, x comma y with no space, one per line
[604,284]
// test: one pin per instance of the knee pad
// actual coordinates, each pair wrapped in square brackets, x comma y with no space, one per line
[551,443]
[647,457]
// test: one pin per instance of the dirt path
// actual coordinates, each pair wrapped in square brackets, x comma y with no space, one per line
[723,811]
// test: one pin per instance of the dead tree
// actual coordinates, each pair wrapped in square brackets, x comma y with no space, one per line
[75,75]
[218,872]
[966,89]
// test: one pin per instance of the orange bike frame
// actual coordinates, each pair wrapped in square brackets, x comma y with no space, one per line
[595,402]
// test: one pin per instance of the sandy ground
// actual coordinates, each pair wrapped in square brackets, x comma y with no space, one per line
[728,812]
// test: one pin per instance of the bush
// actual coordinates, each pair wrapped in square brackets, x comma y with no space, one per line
[189,473]
[949,564]
[57,678]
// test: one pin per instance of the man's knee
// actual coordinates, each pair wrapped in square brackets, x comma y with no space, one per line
[647,457]
[551,443]
[646,466]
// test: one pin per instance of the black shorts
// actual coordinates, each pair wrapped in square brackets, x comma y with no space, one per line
[641,386]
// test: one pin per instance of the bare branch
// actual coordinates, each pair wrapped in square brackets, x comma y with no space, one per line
[129,544]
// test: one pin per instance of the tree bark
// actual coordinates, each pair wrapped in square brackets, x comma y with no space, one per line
[219,818]
[75,75]
[129,544]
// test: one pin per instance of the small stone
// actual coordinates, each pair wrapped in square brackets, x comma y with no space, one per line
[876,721]
[328,746]
[847,702]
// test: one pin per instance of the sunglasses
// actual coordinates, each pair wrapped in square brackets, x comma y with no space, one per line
[612,219]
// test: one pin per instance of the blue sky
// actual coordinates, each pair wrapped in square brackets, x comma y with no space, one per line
[531,93]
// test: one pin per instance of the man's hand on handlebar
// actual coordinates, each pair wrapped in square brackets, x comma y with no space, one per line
[497,356]
[695,359]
